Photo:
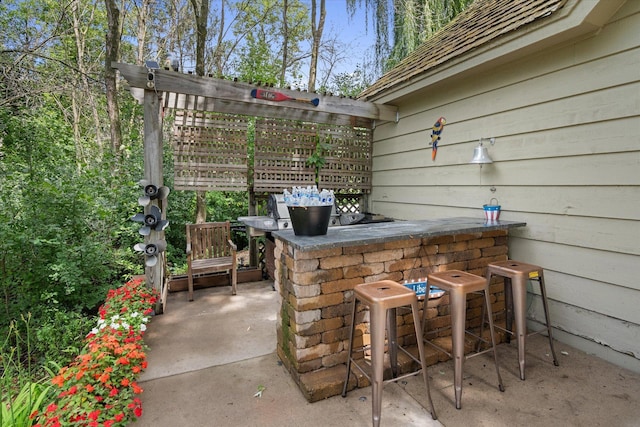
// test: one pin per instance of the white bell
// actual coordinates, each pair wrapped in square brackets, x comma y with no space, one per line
[481,155]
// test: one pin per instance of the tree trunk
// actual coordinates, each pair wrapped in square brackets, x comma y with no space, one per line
[142,30]
[316,31]
[285,42]
[201,12]
[201,207]
[112,52]
[80,40]
[218,52]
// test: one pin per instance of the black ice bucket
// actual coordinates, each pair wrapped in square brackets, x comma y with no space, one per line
[310,220]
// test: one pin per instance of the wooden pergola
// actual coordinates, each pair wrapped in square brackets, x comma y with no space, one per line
[210,130]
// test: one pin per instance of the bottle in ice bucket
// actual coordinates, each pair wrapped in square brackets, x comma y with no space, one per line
[310,209]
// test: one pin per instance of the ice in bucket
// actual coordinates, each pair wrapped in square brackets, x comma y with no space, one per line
[309,209]
[309,196]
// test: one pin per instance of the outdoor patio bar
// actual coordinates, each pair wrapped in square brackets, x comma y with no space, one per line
[315,276]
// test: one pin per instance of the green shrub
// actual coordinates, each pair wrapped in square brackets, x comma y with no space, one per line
[60,335]
[21,394]
[16,410]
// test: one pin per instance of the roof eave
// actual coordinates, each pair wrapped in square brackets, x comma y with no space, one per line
[577,18]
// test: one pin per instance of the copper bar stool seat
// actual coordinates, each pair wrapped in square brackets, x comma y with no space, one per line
[382,298]
[459,284]
[516,274]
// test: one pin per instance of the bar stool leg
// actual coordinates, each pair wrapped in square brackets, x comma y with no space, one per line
[487,300]
[377,358]
[392,330]
[508,305]
[419,330]
[351,333]
[543,293]
[519,289]
[458,315]
[490,311]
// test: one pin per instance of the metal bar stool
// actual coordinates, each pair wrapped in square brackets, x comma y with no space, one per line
[516,274]
[458,284]
[383,298]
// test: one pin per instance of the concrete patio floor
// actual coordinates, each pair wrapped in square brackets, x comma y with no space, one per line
[208,359]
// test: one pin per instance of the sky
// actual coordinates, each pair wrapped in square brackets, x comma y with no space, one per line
[357,33]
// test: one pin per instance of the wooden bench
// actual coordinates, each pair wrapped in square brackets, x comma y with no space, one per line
[209,250]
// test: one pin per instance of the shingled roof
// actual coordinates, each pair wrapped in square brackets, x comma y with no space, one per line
[482,22]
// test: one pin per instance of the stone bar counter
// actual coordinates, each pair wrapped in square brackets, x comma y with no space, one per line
[315,276]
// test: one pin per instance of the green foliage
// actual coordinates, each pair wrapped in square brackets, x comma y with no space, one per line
[317,159]
[351,84]
[413,22]
[260,59]
[67,222]
[17,410]
[21,395]
[56,344]
[226,205]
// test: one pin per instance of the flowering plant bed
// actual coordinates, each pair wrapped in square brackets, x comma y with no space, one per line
[99,388]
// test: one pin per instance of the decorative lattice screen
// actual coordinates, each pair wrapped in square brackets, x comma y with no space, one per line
[210,151]
[282,148]
[281,151]
[348,160]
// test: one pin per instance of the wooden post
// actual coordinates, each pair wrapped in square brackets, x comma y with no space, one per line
[153,174]
[254,259]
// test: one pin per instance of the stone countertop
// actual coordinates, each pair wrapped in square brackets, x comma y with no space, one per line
[354,235]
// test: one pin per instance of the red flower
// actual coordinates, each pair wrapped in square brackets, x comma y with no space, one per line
[58,380]
[136,388]
[104,377]
[112,358]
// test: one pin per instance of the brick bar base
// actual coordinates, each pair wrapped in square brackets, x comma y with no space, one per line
[316,289]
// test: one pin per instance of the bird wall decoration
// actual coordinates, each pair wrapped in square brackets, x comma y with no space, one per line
[436,132]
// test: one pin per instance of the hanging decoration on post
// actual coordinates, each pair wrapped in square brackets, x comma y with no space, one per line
[271,95]
[153,224]
[151,221]
[151,251]
[152,192]
[435,136]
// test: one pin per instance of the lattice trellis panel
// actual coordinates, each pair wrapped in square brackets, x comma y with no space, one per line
[283,147]
[348,159]
[210,151]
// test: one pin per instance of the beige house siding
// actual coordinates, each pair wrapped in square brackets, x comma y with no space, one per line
[566,160]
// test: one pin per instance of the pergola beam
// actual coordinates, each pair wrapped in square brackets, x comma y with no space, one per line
[235,97]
